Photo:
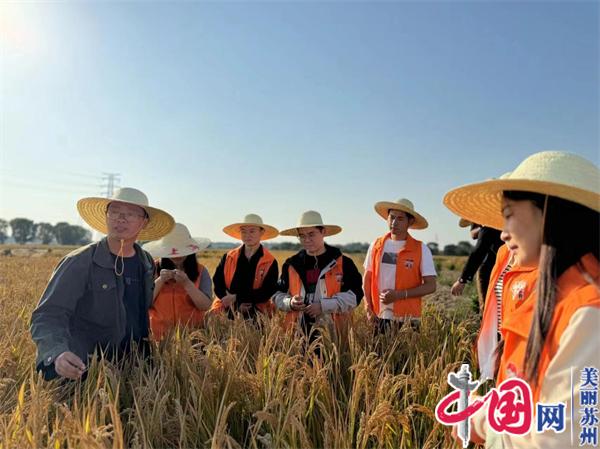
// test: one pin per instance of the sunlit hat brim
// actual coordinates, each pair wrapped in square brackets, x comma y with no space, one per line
[329,229]
[235,230]
[482,202]
[160,248]
[93,212]
[383,207]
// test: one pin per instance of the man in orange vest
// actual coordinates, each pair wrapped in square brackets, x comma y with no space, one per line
[246,277]
[399,270]
[318,285]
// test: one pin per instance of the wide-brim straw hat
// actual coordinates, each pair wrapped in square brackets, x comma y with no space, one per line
[464,223]
[311,219]
[93,212]
[383,207]
[234,230]
[554,173]
[177,243]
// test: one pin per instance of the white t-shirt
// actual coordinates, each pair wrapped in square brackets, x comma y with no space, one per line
[387,270]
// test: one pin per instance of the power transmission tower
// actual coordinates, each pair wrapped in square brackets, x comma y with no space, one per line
[110,182]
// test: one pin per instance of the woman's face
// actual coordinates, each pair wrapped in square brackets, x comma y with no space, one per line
[523,228]
[178,261]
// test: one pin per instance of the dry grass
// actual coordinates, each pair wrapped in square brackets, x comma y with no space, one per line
[231,385]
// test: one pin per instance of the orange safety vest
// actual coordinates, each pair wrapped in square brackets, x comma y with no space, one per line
[487,338]
[262,268]
[173,306]
[333,285]
[573,292]
[408,275]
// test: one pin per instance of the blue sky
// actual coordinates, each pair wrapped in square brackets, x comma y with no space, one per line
[216,110]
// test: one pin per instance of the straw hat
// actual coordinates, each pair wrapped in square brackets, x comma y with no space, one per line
[93,211]
[177,243]
[382,208]
[555,173]
[234,230]
[464,223]
[311,219]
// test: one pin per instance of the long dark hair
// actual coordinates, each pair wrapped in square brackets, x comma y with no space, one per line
[570,231]
[190,266]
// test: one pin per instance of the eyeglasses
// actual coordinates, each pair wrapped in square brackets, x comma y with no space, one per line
[127,216]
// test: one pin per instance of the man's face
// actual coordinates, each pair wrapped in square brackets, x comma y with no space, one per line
[124,221]
[251,235]
[399,221]
[312,239]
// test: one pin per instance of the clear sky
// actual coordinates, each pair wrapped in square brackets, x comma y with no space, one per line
[215,110]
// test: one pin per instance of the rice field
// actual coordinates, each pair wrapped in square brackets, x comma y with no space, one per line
[232,384]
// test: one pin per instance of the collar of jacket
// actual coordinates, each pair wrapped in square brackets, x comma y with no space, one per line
[103,256]
[297,260]
[257,255]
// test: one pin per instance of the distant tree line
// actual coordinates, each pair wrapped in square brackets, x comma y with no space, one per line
[463,248]
[24,230]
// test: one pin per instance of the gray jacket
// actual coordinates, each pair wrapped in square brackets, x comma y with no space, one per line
[82,306]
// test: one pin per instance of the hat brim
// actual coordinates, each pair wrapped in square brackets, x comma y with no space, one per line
[382,208]
[329,229]
[482,202]
[93,212]
[464,223]
[158,249]
[234,230]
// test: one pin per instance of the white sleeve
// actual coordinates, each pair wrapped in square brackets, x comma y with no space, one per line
[368,263]
[341,302]
[579,347]
[427,265]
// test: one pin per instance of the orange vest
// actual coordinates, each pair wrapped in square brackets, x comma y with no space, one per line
[408,275]
[502,258]
[487,339]
[573,292]
[262,268]
[173,306]
[333,285]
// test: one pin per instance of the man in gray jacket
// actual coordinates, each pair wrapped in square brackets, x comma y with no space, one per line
[98,296]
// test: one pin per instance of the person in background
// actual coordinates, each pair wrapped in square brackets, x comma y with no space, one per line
[182,288]
[480,261]
[399,270]
[319,286]
[246,276]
